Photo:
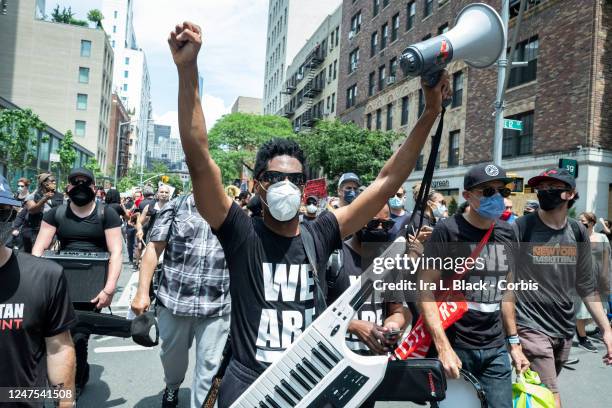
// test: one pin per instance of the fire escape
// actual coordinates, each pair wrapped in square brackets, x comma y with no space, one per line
[312,88]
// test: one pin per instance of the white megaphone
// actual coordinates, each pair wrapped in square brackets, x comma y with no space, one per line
[478,38]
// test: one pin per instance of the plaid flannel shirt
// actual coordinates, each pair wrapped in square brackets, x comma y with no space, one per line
[195,278]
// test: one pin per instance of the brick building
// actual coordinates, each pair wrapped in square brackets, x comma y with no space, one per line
[562,96]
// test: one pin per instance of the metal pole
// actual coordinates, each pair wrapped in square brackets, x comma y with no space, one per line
[504,64]
[499,102]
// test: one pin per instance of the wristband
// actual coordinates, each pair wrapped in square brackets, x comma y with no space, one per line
[107,294]
[513,340]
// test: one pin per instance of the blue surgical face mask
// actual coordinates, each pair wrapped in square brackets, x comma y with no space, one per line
[491,207]
[396,203]
[349,196]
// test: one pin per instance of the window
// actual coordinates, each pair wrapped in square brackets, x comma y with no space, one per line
[525,51]
[373,43]
[83,75]
[419,163]
[410,13]
[337,35]
[443,28]
[394,27]
[375,7]
[328,104]
[79,128]
[378,119]
[371,83]
[428,8]
[514,6]
[125,74]
[385,35]
[353,60]
[335,69]
[125,87]
[369,121]
[113,43]
[457,89]
[385,3]
[381,78]
[333,100]
[85,48]
[114,29]
[356,22]
[351,96]
[82,101]
[421,102]
[331,40]
[453,148]
[115,13]
[518,143]
[405,104]
[127,60]
[390,116]
[393,67]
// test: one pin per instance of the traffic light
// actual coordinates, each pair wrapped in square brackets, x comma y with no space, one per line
[165,179]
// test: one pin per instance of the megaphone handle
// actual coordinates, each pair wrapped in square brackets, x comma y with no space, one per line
[432,80]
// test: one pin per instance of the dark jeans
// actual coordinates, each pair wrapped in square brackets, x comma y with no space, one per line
[130,241]
[493,370]
[236,380]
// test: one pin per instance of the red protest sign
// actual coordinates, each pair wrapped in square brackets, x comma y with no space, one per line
[317,188]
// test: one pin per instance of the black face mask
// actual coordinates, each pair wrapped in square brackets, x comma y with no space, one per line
[550,199]
[81,194]
[586,226]
[377,235]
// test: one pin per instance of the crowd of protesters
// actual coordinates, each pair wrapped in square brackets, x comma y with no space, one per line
[208,261]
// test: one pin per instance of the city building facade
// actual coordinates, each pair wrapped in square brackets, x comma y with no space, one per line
[246,104]
[45,153]
[562,95]
[62,72]
[131,80]
[290,24]
[165,150]
[120,130]
[312,77]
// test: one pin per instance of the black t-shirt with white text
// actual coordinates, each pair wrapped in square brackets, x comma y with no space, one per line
[34,304]
[83,234]
[271,283]
[455,237]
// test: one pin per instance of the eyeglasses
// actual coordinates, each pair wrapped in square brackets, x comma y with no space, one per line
[490,191]
[386,224]
[299,179]
[7,214]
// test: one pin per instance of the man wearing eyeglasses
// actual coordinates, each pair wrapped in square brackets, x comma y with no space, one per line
[556,253]
[276,292]
[35,315]
[85,226]
[476,341]
[39,202]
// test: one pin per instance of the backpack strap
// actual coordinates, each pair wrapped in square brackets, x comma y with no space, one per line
[309,247]
[575,228]
[60,215]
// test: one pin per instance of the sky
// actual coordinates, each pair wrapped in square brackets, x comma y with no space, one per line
[231,60]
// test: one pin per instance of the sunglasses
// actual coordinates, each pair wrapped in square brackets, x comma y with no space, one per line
[490,191]
[272,177]
[386,224]
[79,182]
[7,214]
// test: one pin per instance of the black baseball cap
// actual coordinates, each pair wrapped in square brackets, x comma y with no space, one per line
[81,171]
[557,174]
[482,173]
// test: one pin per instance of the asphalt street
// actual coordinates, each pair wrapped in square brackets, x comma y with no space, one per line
[124,374]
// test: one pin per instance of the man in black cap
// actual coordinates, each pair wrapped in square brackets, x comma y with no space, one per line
[555,252]
[84,226]
[476,341]
[35,317]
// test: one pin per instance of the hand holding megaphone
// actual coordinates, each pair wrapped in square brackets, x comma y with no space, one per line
[478,37]
[437,95]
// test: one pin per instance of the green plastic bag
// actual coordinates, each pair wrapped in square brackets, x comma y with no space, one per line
[529,392]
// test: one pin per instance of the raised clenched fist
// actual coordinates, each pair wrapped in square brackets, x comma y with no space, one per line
[185,42]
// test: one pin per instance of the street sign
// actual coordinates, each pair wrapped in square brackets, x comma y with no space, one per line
[570,165]
[54,158]
[513,124]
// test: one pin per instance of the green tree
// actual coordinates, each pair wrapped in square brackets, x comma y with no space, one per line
[19,138]
[338,147]
[67,155]
[93,166]
[452,206]
[95,16]
[235,138]
[66,16]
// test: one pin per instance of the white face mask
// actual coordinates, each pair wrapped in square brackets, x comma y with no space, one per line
[311,209]
[440,210]
[283,200]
